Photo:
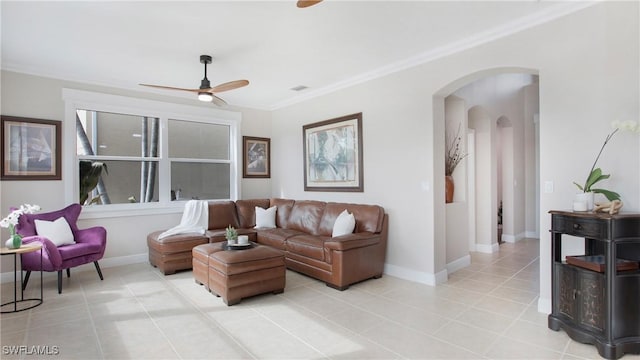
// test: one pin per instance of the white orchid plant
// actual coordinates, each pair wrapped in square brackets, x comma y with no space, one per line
[595,174]
[12,220]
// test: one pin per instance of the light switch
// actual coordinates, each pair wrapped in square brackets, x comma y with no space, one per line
[548,187]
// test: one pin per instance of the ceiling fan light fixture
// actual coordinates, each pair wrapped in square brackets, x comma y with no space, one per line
[203,96]
[205,91]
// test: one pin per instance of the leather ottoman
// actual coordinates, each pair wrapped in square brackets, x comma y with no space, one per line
[173,253]
[238,274]
[201,262]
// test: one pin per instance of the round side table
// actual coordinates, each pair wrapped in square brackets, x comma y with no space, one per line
[25,304]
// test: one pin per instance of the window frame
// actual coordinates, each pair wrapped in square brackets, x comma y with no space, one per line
[86,100]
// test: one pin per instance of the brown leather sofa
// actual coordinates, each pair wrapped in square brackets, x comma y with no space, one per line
[303,233]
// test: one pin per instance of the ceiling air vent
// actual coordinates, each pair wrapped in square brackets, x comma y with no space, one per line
[299,88]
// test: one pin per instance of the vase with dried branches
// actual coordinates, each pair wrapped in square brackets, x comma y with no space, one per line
[452,157]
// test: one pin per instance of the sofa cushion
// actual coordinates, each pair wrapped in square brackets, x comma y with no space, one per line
[276,237]
[284,209]
[311,246]
[265,218]
[175,243]
[306,215]
[345,223]
[222,214]
[369,218]
[247,211]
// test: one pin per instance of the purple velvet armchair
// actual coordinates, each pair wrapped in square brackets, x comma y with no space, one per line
[89,247]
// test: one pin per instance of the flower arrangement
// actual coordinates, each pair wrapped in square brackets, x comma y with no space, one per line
[12,220]
[454,154]
[595,174]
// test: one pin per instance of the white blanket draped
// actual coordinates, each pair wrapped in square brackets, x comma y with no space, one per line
[195,219]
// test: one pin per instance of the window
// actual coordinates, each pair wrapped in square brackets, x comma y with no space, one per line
[154,154]
[199,155]
[127,147]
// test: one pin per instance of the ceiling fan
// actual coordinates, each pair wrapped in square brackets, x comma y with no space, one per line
[306,3]
[206,92]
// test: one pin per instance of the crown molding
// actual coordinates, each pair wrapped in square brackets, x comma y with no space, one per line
[538,18]
[548,14]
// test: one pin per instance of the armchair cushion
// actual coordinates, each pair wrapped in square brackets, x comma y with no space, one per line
[26,222]
[80,249]
[58,231]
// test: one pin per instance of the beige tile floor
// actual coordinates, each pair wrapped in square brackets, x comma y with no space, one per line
[485,311]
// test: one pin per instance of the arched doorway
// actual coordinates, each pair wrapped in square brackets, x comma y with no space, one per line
[497,172]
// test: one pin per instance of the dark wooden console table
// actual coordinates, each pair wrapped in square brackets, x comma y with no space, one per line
[600,308]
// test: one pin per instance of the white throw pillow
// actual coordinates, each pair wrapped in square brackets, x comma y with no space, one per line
[58,231]
[345,223]
[266,219]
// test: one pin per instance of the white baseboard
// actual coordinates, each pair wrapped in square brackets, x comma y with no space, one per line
[441,277]
[532,234]
[512,238]
[124,260]
[7,277]
[488,249]
[458,264]
[416,276]
[544,306]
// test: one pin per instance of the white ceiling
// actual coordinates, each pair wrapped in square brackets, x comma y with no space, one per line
[273,44]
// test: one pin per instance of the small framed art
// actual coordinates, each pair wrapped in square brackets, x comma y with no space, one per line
[30,149]
[256,154]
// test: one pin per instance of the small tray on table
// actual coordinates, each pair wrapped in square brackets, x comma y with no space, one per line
[228,246]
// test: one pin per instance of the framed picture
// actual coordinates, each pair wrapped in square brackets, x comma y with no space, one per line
[333,154]
[30,149]
[256,153]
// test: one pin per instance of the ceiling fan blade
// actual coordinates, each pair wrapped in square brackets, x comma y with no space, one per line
[228,86]
[171,88]
[306,3]
[216,100]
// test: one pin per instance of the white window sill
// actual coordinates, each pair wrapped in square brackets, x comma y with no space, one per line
[129,210]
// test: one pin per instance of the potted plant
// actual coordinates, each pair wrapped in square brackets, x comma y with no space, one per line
[231,234]
[90,174]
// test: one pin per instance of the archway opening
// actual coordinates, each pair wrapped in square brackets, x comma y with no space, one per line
[497,110]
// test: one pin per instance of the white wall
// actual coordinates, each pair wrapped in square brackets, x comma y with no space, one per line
[457,212]
[486,179]
[588,68]
[531,166]
[507,192]
[126,235]
[256,123]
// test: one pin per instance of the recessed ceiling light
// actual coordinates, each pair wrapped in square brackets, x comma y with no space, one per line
[136,135]
[299,88]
